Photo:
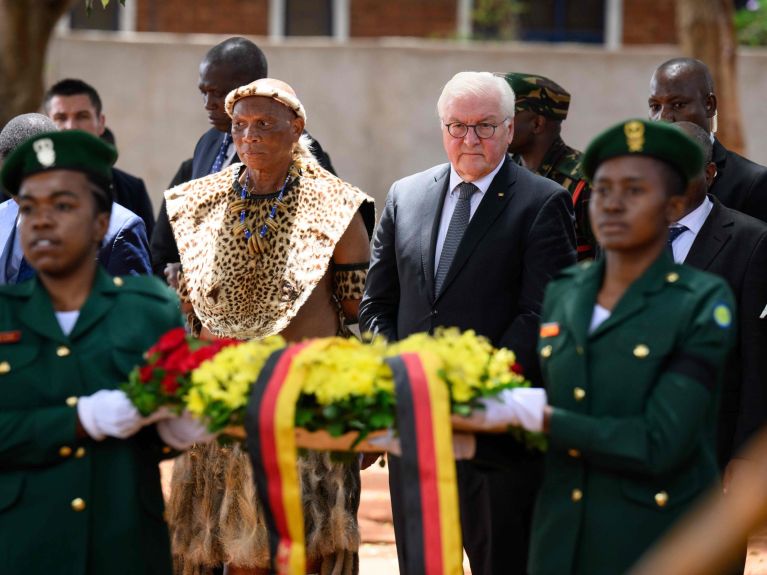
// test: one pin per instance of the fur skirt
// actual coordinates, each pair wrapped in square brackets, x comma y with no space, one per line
[215,514]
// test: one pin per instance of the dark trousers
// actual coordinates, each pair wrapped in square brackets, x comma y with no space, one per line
[496,513]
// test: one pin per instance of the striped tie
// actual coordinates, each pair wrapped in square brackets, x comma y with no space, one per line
[218,163]
[455,231]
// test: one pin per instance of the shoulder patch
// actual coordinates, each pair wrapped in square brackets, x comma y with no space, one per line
[722,315]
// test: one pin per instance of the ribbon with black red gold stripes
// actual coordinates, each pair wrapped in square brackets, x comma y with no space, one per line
[270,424]
[428,465]
[432,522]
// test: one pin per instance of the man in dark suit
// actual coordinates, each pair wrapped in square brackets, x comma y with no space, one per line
[472,244]
[732,245]
[125,248]
[76,105]
[683,89]
[233,63]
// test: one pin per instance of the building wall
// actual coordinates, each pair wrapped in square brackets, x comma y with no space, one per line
[204,16]
[423,18]
[649,22]
[370,103]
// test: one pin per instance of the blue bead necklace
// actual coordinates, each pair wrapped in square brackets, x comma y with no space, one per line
[257,242]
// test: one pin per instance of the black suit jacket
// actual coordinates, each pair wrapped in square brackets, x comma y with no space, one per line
[734,246]
[740,184]
[163,244]
[520,236]
[130,192]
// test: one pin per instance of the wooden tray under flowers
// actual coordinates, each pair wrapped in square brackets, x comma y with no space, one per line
[322,440]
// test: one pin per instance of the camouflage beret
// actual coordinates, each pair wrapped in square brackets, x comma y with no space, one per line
[657,140]
[67,150]
[539,95]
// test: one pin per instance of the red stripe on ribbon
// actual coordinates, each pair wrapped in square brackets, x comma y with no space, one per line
[268,441]
[427,463]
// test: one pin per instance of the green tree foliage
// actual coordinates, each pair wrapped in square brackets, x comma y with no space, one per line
[751,23]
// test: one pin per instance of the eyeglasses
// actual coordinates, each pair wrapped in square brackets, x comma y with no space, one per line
[483,130]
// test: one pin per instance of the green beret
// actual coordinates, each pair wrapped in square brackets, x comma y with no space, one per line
[67,150]
[539,95]
[657,140]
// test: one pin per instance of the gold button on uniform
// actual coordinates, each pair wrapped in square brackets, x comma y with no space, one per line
[546,351]
[118,281]
[661,498]
[672,277]
[62,351]
[5,367]
[579,350]
[166,449]
[576,495]
[65,451]
[71,401]
[78,504]
[80,452]
[641,351]
[579,393]
[574,453]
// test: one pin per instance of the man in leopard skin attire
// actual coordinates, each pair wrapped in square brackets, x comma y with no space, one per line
[273,245]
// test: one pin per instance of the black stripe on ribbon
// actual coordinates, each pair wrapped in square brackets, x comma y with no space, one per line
[411,481]
[256,456]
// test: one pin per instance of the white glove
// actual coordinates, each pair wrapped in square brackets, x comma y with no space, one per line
[520,407]
[108,412]
[184,431]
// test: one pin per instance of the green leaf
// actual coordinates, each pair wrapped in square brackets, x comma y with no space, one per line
[104,3]
[330,411]
[336,429]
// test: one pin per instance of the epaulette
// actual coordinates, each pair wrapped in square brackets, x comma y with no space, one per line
[145,285]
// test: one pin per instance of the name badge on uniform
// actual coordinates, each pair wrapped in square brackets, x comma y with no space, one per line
[10,336]
[550,329]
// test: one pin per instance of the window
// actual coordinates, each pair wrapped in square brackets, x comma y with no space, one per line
[562,20]
[308,17]
[99,19]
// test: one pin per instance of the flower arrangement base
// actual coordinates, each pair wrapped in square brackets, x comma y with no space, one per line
[322,440]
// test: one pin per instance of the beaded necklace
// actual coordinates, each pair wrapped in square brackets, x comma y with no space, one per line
[256,242]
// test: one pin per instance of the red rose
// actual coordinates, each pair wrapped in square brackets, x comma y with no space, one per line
[146,373]
[176,360]
[169,383]
[171,340]
[516,367]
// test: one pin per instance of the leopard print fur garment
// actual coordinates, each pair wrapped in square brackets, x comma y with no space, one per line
[257,295]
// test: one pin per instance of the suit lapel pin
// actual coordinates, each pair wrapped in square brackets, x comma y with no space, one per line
[501,194]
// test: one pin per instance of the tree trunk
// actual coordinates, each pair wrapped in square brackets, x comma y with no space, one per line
[25,30]
[706,31]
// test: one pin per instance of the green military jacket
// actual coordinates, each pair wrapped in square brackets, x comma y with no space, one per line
[634,407]
[562,164]
[74,506]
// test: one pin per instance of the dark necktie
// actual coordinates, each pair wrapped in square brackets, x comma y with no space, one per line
[221,156]
[25,271]
[458,223]
[673,233]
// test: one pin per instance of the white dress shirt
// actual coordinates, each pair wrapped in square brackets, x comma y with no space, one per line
[451,199]
[693,222]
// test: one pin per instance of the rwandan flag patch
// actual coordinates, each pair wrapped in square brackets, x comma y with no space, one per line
[550,329]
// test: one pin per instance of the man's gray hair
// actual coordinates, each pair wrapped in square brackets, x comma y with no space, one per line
[482,84]
[22,128]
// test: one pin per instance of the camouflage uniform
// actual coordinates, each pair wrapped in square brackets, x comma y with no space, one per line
[561,163]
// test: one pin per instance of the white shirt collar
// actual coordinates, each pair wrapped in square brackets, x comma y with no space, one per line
[483,183]
[695,219]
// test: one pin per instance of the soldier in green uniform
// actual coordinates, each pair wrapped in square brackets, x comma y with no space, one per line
[632,348]
[79,480]
[541,106]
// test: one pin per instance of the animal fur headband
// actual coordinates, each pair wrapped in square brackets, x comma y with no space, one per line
[268,88]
